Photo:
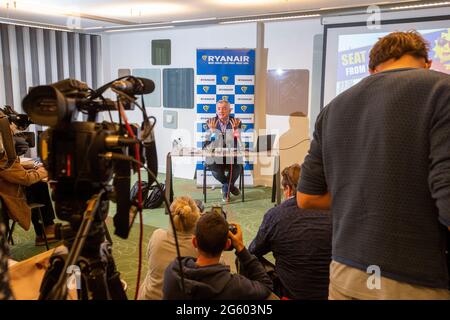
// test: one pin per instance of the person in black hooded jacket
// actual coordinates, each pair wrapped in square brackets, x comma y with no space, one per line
[205,278]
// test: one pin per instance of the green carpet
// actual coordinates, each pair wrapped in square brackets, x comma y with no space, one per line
[249,214]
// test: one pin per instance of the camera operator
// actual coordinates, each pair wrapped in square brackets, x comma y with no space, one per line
[205,278]
[20,185]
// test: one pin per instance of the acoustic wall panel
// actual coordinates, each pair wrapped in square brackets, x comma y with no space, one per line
[178,88]
[123,72]
[153,99]
[161,52]
[287,92]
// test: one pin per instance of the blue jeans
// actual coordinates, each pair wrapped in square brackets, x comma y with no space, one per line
[222,174]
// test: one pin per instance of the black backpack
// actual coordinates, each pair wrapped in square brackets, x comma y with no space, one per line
[151,195]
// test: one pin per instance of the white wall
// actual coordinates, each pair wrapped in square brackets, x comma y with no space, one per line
[133,50]
[290,45]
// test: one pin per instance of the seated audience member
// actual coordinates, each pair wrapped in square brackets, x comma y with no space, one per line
[5,290]
[205,278]
[21,185]
[300,241]
[161,248]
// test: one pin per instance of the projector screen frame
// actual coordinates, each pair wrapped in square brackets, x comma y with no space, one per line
[360,24]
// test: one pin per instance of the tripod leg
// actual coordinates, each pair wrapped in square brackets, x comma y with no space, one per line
[112,275]
[96,281]
[107,234]
[116,287]
[51,276]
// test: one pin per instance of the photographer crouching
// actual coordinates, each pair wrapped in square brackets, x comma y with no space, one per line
[205,278]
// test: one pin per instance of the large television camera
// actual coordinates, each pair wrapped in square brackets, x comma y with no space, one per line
[77,154]
[82,157]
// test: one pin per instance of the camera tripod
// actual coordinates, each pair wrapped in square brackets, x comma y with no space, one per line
[90,256]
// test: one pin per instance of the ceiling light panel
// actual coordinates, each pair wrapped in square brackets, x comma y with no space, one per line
[137,9]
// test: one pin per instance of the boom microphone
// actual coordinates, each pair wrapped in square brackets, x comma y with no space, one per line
[134,85]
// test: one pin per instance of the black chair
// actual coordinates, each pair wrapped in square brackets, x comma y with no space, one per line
[10,228]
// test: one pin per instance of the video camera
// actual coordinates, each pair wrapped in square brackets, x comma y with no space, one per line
[7,117]
[81,156]
[22,121]
[231,227]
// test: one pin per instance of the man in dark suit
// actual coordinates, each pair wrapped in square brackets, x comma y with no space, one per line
[224,132]
[300,241]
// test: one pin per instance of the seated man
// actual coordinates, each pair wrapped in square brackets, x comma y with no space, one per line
[223,132]
[205,278]
[21,185]
[300,241]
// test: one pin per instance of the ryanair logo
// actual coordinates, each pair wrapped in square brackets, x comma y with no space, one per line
[244,126]
[244,108]
[227,59]
[206,108]
[225,98]
[205,126]
[225,79]
[205,89]
[204,57]
[244,89]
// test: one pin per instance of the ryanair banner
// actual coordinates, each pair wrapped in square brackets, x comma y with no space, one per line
[225,74]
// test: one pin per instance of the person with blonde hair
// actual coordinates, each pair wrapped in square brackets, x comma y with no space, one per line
[161,250]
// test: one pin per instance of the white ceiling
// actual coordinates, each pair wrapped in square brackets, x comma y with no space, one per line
[114,13]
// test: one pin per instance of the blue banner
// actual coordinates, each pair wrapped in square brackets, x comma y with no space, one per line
[225,74]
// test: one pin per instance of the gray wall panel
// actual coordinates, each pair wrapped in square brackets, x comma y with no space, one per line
[48,57]
[94,61]
[9,99]
[153,99]
[178,88]
[316,81]
[83,61]
[21,62]
[287,92]
[71,53]
[2,80]
[59,55]
[34,56]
